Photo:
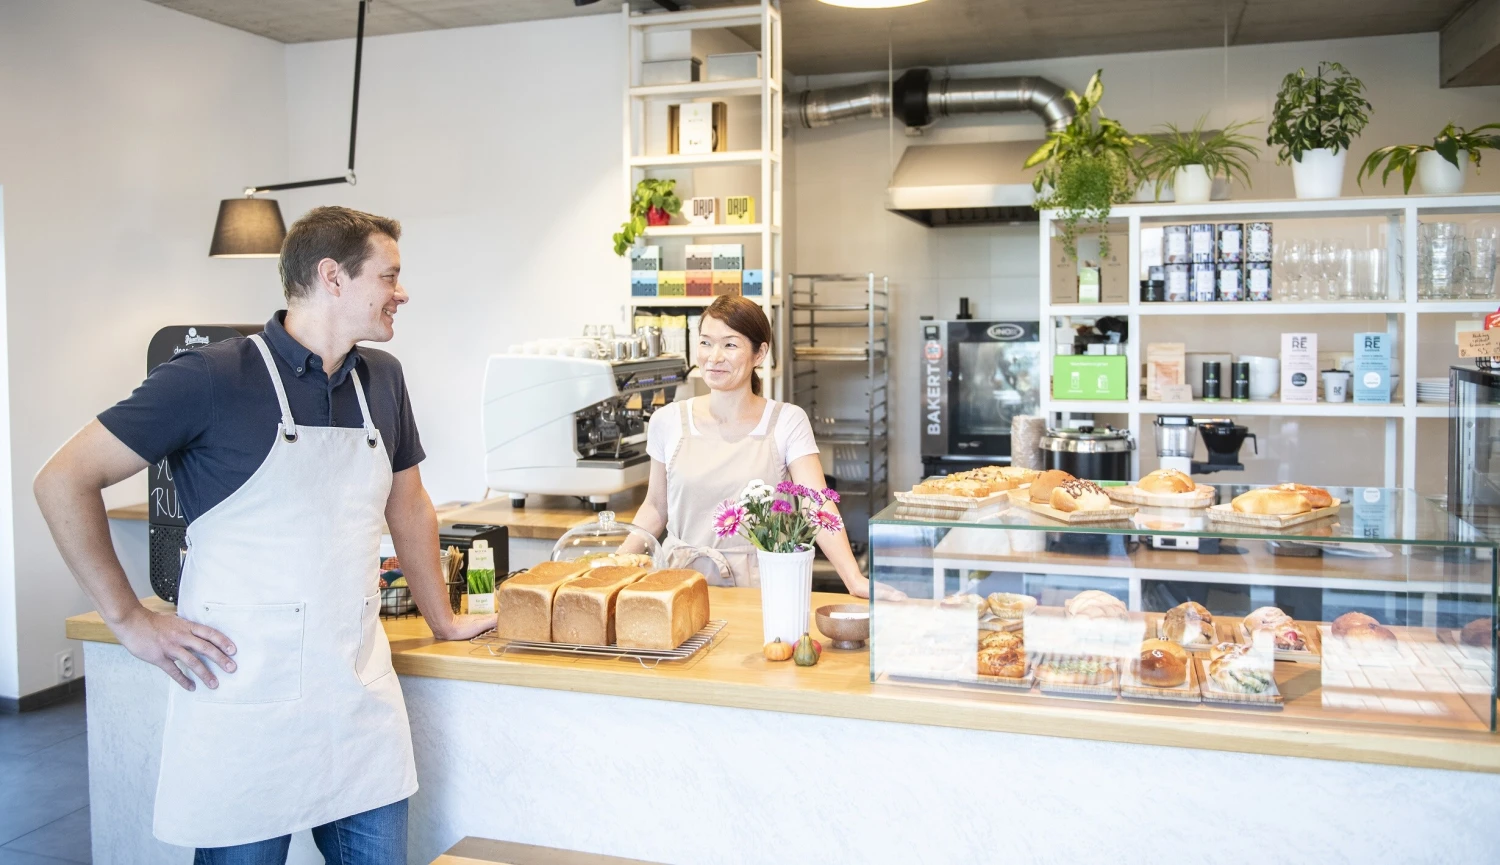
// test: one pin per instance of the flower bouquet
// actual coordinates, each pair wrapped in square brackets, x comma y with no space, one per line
[781,522]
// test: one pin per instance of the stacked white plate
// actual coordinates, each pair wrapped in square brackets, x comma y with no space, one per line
[1432,389]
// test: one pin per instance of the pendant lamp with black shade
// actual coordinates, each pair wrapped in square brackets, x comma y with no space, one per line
[252,227]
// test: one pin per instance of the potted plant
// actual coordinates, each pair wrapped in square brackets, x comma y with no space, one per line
[655,203]
[1441,166]
[1087,167]
[1189,161]
[1312,123]
[782,523]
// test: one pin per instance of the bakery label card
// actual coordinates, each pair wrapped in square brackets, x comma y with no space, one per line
[1479,343]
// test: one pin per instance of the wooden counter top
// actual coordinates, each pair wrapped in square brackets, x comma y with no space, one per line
[732,673]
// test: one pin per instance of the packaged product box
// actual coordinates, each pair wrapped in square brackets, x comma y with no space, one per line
[1166,364]
[700,283]
[1114,269]
[739,210]
[1372,368]
[752,283]
[1089,376]
[645,258]
[698,127]
[699,257]
[729,256]
[1064,274]
[643,283]
[727,282]
[1299,367]
[701,211]
[1088,284]
[671,283]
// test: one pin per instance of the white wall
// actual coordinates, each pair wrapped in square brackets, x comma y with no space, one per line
[837,191]
[125,123]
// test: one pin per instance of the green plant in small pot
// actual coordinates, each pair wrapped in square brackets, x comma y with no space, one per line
[1440,167]
[1087,167]
[655,203]
[1313,122]
[1189,161]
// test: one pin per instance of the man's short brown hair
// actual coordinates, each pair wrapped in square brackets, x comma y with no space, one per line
[338,233]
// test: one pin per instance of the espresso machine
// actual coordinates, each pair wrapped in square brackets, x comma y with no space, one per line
[568,417]
[1176,441]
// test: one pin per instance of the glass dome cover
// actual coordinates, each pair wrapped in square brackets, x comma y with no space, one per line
[600,542]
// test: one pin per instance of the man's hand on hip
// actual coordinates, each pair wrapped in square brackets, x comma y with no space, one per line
[465,627]
[166,640]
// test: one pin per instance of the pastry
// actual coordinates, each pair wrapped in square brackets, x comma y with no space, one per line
[1077,495]
[661,610]
[1008,606]
[1286,633]
[955,486]
[1265,618]
[1094,604]
[1163,664]
[627,560]
[1317,497]
[1002,640]
[1008,662]
[1343,623]
[1271,501]
[524,602]
[1234,668]
[1166,481]
[1017,475]
[1189,624]
[1076,671]
[583,610]
[966,600]
[1045,483]
[1480,632]
[1369,635]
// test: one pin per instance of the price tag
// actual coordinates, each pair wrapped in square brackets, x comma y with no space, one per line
[1479,343]
[1176,393]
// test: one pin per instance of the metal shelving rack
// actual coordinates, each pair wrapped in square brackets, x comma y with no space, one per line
[838,323]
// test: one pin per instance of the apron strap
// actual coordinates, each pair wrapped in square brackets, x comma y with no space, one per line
[364,408]
[775,416]
[288,425]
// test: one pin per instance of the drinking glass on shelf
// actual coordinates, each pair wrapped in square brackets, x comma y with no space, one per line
[1441,260]
[1350,274]
[1375,263]
[1292,263]
[1480,275]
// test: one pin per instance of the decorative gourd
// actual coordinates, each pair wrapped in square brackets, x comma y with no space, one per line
[807,653]
[777,650]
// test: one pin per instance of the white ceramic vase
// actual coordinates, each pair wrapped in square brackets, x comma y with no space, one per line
[785,595]
[1320,173]
[1191,184]
[1437,176]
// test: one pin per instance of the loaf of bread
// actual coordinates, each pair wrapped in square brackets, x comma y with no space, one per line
[1348,621]
[583,610]
[1046,482]
[1271,501]
[524,602]
[1077,495]
[1369,635]
[1163,664]
[661,610]
[1317,497]
[1480,632]
[1094,604]
[1166,481]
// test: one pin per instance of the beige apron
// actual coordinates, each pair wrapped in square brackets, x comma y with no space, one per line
[704,471]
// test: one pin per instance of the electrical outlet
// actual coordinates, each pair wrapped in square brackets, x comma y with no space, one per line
[64,666]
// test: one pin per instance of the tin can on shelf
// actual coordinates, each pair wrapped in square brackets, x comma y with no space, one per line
[1204,275]
[1239,384]
[1231,282]
[1202,242]
[1258,241]
[1153,290]
[1178,278]
[1175,245]
[1258,280]
[1231,242]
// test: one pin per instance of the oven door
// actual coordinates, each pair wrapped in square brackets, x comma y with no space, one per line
[994,375]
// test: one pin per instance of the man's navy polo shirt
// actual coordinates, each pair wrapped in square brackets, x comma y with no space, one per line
[212,412]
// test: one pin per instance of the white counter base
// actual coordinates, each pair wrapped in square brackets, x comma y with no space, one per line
[683,783]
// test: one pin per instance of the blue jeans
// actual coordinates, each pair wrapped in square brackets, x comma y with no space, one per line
[375,837]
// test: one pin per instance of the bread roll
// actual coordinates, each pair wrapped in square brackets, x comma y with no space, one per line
[1266,618]
[1285,633]
[1480,632]
[1008,661]
[1163,664]
[1166,481]
[1190,624]
[1002,640]
[583,610]
[1046,482]
[1317,497]
[1009,606]
[1076,671]
[1270,501]
[1344,623]
[1094,604]
[1235,668]
[661,610]
[1018,475]
[524,602]
[1369,635]
[1077,495]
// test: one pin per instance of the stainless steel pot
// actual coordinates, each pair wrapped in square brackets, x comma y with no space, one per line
[1097,454]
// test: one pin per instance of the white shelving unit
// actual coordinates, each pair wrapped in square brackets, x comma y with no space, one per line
[645,144]
[1403,312]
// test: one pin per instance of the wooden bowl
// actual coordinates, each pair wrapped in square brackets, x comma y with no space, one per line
[846,633]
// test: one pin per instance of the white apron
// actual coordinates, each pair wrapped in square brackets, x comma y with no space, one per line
[704,471]
[311,726]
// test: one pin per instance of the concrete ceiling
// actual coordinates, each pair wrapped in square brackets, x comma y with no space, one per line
[825,39]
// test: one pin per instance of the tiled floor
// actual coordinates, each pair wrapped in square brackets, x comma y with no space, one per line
[44,786]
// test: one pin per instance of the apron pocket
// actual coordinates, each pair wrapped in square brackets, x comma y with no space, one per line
[268,652]
[374,657]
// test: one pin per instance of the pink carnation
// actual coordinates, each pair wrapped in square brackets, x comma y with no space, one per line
[826,521]
[831,495]
[781,506]
[728,519]
[786,488]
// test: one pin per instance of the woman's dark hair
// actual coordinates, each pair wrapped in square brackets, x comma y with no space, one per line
[746,318]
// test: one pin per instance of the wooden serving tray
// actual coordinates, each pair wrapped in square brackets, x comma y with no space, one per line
[1130,494]
[951,503]
[1187,692]
[1225,513]
[1023,684]
[1212,693]
[1310,635]
[1076,518]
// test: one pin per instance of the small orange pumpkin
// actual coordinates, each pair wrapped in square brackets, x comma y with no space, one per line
[777,650]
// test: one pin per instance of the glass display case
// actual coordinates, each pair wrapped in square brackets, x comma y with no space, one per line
[1381,612]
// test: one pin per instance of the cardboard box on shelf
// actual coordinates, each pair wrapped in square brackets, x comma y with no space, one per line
[727,282]
[1114,269]
[671,283]
[1372,368]
[643,283]
[1088,284]
[752,283]
[1089,376]
[698,127]
[729,256]
[1299,367]
[1064,277]
[701,211]
[645,258]
[699,257]
[1166,364]
[739,210]
[700,283]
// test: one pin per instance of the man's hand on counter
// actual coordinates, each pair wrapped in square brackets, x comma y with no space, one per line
[465,627]
[166,640]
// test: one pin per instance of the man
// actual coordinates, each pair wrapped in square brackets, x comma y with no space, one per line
[292,450]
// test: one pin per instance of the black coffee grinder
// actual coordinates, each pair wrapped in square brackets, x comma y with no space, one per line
[1222,438]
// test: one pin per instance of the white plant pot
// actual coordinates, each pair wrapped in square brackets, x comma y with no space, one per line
[785,595]
[1437,176]
[1320,173]
[1192,185]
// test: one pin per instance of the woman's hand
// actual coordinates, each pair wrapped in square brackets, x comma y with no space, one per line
[882,592]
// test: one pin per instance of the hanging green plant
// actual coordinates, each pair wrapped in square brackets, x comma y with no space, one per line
[1087,167]
[656,202]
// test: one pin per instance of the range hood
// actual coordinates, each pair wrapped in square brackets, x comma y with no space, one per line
[964,184]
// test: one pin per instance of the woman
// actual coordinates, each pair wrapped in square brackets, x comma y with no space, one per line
[706,449]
